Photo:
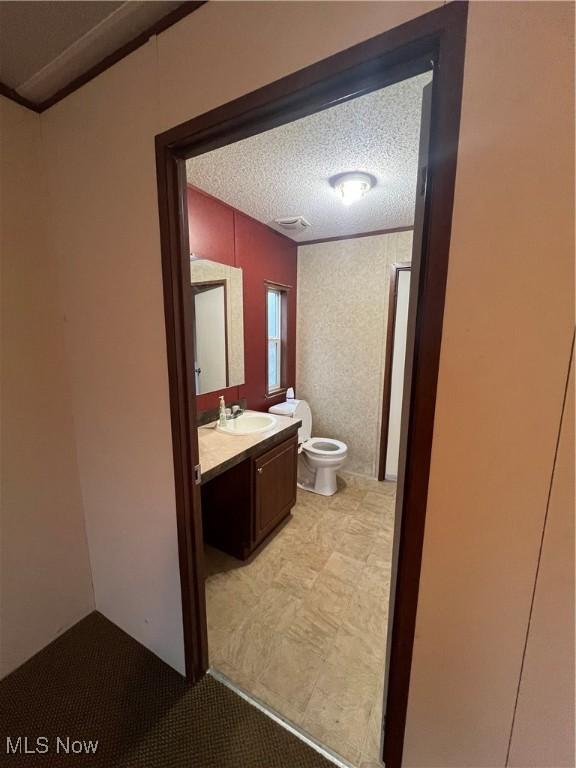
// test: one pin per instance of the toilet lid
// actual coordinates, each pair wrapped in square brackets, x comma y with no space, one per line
[296,409]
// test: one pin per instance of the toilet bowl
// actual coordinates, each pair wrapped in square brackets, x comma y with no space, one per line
[319,458]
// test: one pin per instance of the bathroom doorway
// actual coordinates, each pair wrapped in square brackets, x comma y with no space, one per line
[413,49]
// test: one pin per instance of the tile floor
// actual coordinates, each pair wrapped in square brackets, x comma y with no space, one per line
[303,627]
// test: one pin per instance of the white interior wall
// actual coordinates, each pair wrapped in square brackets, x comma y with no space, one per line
[45,582]
[104,222]
[491,445]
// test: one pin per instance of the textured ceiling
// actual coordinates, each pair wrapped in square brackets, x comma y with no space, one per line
[45,45]
[284,172]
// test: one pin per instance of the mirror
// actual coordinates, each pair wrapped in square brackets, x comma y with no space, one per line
[219,325]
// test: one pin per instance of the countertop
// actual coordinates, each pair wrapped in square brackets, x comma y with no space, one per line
[219,451]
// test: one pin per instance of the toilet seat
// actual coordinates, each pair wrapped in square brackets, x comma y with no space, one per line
[319,458]
[325,446]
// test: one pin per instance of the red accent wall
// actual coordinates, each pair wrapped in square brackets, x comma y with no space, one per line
[221,233]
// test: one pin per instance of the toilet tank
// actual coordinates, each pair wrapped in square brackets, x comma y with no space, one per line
[296,409]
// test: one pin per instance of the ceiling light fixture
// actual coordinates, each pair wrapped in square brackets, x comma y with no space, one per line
[351,187]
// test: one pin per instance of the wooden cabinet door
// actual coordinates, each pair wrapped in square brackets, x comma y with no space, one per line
[275,486]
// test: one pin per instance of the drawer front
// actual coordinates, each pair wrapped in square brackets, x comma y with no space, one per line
[274,475]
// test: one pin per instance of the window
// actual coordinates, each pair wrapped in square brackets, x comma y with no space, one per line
[276,338]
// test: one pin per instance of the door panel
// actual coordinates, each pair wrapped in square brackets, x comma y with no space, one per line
[275,486]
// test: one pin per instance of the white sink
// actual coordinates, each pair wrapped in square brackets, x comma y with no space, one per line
[248,424]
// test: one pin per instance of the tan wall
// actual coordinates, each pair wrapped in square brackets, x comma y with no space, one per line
[544,724]
[507,334]
[100,155]
[507,327]
[45,584]
[341,339]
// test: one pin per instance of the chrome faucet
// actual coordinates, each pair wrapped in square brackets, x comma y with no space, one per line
[236,411]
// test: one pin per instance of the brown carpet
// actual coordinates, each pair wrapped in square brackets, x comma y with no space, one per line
[97,683]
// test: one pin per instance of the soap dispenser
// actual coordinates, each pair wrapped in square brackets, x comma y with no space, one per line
[222,412]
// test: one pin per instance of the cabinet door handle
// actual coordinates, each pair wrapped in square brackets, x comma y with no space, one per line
[260,470]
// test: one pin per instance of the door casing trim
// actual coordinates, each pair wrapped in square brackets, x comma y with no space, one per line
[400,266]
[434,39]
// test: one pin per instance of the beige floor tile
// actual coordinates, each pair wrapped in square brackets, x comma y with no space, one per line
[305,518]
[330,595]
[371,748]
[308,499]
[274,609]
[335,738]
[345,504]
[368,483]
[356,545]
[250,645]
[239,582]
[236,676]
[227,606]
[352,641]
[328,531]
[357,494]
[285,709]
[379,501]
[291,671]
[295,578]
[352,480]
[365,525]
[380,555]
[341,702]
[314,626]
[375,579]
[345,568]
[289,537]
[349,681]
[263,570]
[367,613]
[310,554]
[302,627]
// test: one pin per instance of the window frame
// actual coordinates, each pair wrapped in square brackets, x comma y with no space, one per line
[283,291]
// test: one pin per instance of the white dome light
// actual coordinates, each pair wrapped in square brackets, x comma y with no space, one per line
[351,187]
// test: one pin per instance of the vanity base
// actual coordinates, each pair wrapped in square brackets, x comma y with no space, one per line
[244,507]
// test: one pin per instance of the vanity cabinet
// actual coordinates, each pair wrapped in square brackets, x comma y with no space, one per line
[245,506]
[274,487]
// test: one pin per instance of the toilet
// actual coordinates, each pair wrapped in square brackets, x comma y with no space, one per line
[319,458]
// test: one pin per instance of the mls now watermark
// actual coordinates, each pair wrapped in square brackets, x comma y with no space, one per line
[42,745]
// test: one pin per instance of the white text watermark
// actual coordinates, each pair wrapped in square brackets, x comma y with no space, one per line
[43,745]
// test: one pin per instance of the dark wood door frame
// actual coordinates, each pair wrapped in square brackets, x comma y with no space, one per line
[435,40]
[402,266]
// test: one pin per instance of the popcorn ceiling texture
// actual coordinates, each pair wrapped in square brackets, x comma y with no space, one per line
[285,171]
[341,337]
